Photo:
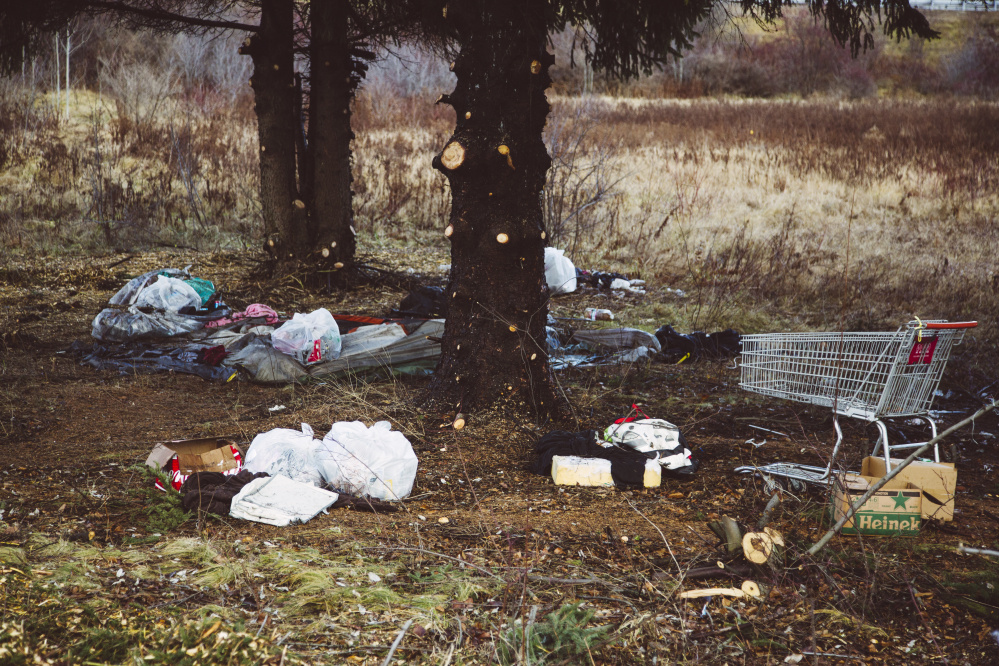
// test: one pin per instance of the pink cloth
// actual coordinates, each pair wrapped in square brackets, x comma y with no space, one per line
[254,311]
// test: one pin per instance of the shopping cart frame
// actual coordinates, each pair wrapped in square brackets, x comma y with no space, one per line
[869,376]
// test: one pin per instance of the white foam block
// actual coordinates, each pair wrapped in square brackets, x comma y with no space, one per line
[576,471]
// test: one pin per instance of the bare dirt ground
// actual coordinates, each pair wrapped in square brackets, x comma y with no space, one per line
[482,540]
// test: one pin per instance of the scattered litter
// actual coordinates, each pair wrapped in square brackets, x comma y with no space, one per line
[277,408]
[620,284]
[426,302]
[182,458]
[212,492]
[755,443]
[627,467]
[309,338]
[168,294]
[280,501]
[371,462]
[598,314]
[373,577]
[617,339]
[768,430]
[870,376]
[156,304]
[257,313]
[577,471]
[286,452]
[684,347]
[658,439]
[560,273]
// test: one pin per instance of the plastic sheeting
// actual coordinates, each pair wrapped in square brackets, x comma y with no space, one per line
[124,321]
[616,339]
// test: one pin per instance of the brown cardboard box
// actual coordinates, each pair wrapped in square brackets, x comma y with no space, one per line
[894,510]
[209,454]
[937,481]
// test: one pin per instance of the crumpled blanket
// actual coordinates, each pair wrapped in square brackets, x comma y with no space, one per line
[627,467]
[280,501]
[213,492]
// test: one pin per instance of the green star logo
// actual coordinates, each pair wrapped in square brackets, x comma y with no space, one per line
[900,500]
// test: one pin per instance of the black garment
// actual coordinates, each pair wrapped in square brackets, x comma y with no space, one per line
[427,302]
[212,492]
[627,467]
[699,344]
[598,279]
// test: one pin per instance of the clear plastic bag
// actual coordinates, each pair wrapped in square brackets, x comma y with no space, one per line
[369,462]
[309,338]
[285,452]
[168,294]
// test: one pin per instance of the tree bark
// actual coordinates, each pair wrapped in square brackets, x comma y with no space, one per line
[331,231]
[493,349]
[273,85]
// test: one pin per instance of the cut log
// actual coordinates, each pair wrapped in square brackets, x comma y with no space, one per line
[453,156]
[733,535]
[768,511]
[757,547]
[775,536]
[749,590]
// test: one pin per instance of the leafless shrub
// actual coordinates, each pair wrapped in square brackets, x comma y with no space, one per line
[581,183]
[140,90]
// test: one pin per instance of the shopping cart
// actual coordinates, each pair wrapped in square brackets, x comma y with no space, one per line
[867,376]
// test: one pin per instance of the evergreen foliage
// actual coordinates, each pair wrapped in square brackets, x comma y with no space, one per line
[563,635]
[163,509]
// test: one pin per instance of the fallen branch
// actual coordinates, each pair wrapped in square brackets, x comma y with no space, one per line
[977,551]
[821,543]
[398,639]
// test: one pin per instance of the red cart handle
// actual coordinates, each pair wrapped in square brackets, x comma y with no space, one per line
[953,324]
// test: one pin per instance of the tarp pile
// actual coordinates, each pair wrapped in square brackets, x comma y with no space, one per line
[168,320]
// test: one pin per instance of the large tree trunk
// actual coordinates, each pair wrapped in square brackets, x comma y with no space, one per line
[273,85]
[493,350]
[332,243]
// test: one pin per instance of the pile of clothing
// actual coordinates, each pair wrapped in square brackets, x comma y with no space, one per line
[629,443]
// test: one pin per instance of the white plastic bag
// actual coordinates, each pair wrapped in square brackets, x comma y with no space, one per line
[287,453]
[560,273]
[309,338]
[374,462]
[168,294]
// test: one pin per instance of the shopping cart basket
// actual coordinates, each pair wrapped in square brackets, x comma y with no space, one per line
[868,376]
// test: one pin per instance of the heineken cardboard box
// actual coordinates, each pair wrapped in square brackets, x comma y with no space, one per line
[935,481]
[894,510]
